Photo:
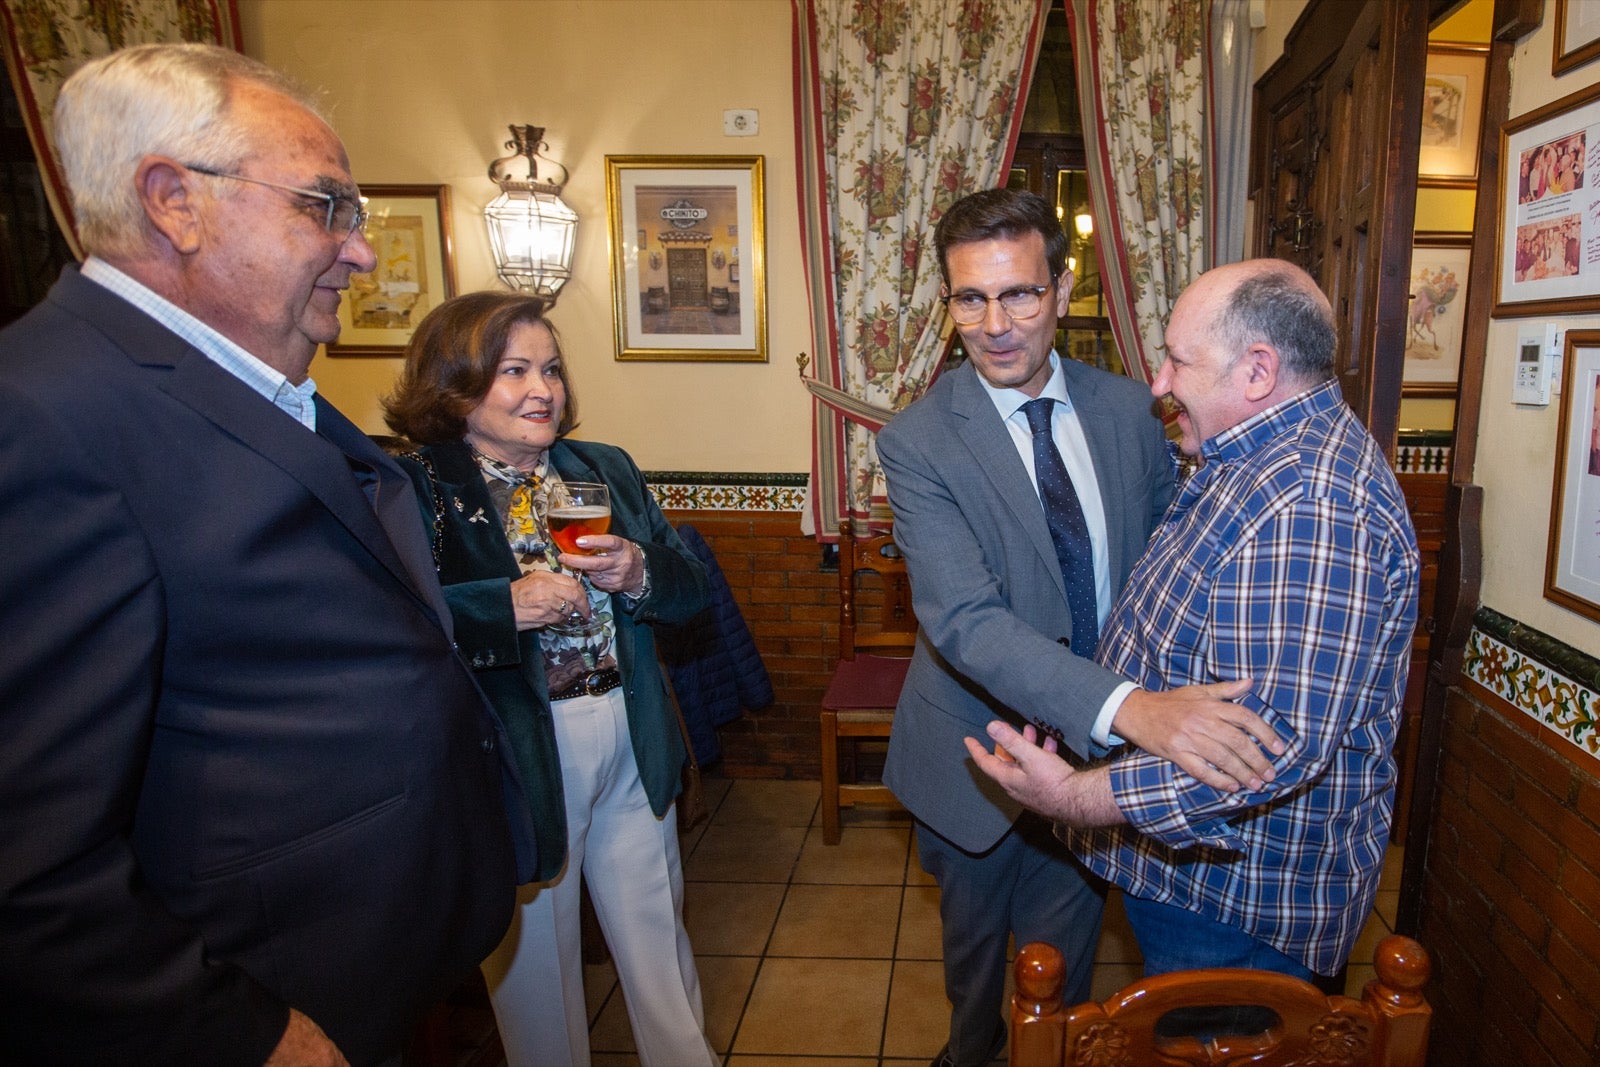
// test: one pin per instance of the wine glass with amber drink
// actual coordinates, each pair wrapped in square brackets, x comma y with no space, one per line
[578,509]
[574,510]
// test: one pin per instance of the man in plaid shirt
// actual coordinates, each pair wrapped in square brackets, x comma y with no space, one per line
[1288,558]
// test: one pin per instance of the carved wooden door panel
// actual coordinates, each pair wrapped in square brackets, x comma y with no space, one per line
[686,277]
[1335,163]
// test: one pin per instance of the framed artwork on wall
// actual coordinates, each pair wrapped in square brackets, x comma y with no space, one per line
[408,227]
[688,257]
[1439,263]
[1549,193]
[1572,560]
[1452,114]
[1577,34]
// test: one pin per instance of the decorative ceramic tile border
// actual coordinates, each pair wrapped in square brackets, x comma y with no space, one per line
[702,491]
[1560,689]
[1423,452]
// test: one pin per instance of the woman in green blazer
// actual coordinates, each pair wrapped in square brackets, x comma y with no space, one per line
[561,644]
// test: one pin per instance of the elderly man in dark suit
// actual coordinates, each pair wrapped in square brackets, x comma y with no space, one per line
[255,805]
[1024,487]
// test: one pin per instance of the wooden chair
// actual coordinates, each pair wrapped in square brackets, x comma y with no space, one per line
[1388,1026]
[860,699]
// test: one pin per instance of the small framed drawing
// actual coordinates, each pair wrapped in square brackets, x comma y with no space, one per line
[1548,244]
[1572,561]
[1452,114]
[1439,263]
[1577,34]
[408,227]
[688,257]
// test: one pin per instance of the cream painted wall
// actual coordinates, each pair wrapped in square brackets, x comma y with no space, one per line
[422,92]
[1516,440]
[1512,440]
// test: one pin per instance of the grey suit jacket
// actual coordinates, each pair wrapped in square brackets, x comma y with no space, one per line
[987,588]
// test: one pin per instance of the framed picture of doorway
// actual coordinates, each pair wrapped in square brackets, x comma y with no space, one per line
[688,257]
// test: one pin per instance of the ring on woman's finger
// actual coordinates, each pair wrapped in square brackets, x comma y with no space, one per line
[564,605]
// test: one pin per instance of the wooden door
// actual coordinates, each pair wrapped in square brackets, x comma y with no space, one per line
[686,277]
[1335,168]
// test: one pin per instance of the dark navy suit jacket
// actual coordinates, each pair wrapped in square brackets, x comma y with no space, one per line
[241,765]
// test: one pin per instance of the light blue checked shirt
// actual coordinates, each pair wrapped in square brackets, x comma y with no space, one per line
[290,398]
[1289,558]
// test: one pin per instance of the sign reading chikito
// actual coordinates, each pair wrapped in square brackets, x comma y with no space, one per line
[684,215]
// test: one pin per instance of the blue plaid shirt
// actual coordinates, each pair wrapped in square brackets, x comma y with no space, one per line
[1288,558]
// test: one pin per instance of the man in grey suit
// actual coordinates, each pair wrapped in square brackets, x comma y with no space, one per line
[1020,522]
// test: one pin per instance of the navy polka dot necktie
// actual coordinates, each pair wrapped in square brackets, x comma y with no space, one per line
[1069,531]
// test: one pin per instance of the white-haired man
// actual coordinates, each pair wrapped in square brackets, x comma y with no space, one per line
[255,804]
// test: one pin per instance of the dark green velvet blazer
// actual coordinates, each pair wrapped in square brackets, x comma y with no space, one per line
[476,569]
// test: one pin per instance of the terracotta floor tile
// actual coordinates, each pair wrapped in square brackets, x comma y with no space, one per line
[731,918]
[803,1061]
[752,802]
[797,1008]
[599,982]
[782,923]
[725,989]
[745,854]
[919,1014]
[920,929]
[864,856]
[838,920]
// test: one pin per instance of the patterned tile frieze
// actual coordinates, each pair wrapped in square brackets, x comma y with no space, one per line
[1551,682]
[1423,452]
[702,491]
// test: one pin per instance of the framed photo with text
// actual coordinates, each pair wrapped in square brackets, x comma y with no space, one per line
[1439,263]
[1572,561]
[1452,114]
[1549,195]
[408,227]
[688,257]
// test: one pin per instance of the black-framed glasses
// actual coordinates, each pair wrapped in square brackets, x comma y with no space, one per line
[1023,302]
[346,214]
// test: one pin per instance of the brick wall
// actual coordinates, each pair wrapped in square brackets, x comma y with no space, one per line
[792,607]
[1511,899]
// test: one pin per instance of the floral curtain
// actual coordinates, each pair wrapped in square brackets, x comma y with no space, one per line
[902,107]
[46,40]
[1141,79]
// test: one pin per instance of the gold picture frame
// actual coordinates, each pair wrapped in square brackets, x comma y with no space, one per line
[1440,263]
[408,227]
[1545,193]
[1452,115]
[1577,39]
[688,257]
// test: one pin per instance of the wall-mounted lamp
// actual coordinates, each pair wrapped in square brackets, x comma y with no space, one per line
[1084,223]
[532,231]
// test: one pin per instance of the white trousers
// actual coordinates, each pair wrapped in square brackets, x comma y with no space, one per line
[630,860]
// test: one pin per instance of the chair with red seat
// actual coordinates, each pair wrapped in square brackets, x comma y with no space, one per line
[860,699]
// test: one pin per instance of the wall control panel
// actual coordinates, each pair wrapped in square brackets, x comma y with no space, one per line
[1538,356]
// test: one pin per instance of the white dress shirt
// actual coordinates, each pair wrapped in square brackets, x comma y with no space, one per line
[1067,430]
